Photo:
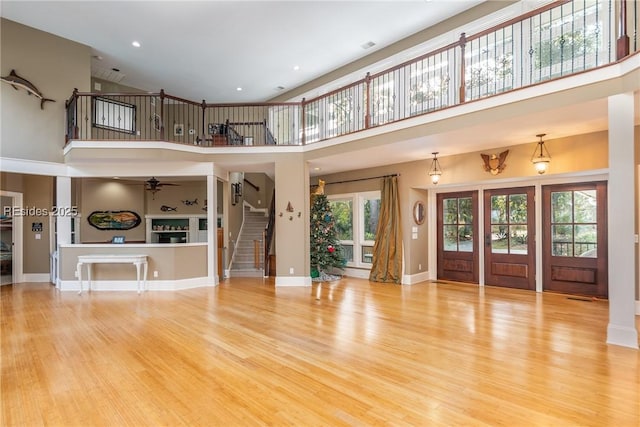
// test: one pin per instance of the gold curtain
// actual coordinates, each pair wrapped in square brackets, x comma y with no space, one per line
[387,250]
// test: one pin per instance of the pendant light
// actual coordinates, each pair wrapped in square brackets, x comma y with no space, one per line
[541,156]
[435,172]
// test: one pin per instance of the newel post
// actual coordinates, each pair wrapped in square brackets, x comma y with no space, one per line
[304,134]
[463,44]
[204,114]
[622,45]
[162,115]
[367,99]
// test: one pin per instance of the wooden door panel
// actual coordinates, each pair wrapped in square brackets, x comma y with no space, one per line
[510,269]
[458,250]
[576,264]
[571,274]
[510,237]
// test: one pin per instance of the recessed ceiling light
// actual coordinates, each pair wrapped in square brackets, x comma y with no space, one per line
[367,45]
[296,67]
[316,168]
[135,43]
[239,89]
[97,57]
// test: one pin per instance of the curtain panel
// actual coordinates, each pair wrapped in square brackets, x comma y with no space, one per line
[387,249]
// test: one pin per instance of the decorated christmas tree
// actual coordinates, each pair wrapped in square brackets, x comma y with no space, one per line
[326,251]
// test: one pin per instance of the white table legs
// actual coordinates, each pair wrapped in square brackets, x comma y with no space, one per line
[138,261]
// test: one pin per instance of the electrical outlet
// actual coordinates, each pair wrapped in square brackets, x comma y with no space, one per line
[419,267]
[155,273]
[291,270]
[75,274]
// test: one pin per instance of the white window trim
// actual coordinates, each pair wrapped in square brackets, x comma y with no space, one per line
[357,203]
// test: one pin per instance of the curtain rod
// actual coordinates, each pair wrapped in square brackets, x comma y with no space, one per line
[360,179]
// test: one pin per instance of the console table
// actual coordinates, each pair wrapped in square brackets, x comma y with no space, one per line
[137,260]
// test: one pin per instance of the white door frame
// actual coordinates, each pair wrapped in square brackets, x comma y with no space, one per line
[16,236]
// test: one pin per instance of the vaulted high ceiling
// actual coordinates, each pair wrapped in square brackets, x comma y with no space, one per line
[207,49]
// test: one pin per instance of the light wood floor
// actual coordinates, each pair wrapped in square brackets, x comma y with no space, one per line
[362,354]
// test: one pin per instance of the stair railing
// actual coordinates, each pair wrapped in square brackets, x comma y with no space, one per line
[268,234]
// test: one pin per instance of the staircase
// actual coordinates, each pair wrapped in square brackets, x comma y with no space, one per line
[244,263]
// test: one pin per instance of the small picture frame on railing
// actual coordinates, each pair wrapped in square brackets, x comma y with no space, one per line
[178,129]
[156,122]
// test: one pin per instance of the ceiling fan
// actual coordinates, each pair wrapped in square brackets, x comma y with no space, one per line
[153,185]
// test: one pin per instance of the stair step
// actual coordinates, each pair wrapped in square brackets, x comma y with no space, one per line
[253,228]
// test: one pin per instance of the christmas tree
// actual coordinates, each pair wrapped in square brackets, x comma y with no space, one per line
[326,251]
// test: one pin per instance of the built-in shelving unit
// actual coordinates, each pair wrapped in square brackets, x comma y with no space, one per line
[176,228]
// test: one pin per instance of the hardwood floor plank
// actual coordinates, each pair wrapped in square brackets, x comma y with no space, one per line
[246,353]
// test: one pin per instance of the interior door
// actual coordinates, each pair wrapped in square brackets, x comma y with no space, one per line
[509,249]
[6,240]
[574,238]
[457,236]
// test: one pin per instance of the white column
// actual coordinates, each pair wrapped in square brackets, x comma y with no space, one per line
[621,220]
[63,201]
[212,229]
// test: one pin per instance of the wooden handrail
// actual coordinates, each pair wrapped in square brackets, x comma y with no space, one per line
[269,233]
[255,187]
[300,135]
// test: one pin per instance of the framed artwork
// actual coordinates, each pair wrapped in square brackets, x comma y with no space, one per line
[114,220]
[178,129]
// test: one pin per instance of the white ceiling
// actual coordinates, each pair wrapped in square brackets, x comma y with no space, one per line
[206,49]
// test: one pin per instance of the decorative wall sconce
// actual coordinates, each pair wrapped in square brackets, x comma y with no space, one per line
[236,190]
[435,172]
[541,156]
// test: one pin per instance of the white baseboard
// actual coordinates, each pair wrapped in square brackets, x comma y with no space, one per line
[36,277]
[622,335]
[293,281]
[132,285]
[412,279]
[357,273]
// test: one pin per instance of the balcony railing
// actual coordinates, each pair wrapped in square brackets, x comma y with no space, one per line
[560,39]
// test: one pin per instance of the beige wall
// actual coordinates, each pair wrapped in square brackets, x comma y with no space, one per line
[569,155]
[292,241]
[176,196]
[171,262]
[99,194]
[55,66]
[38,194]
[260,198]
